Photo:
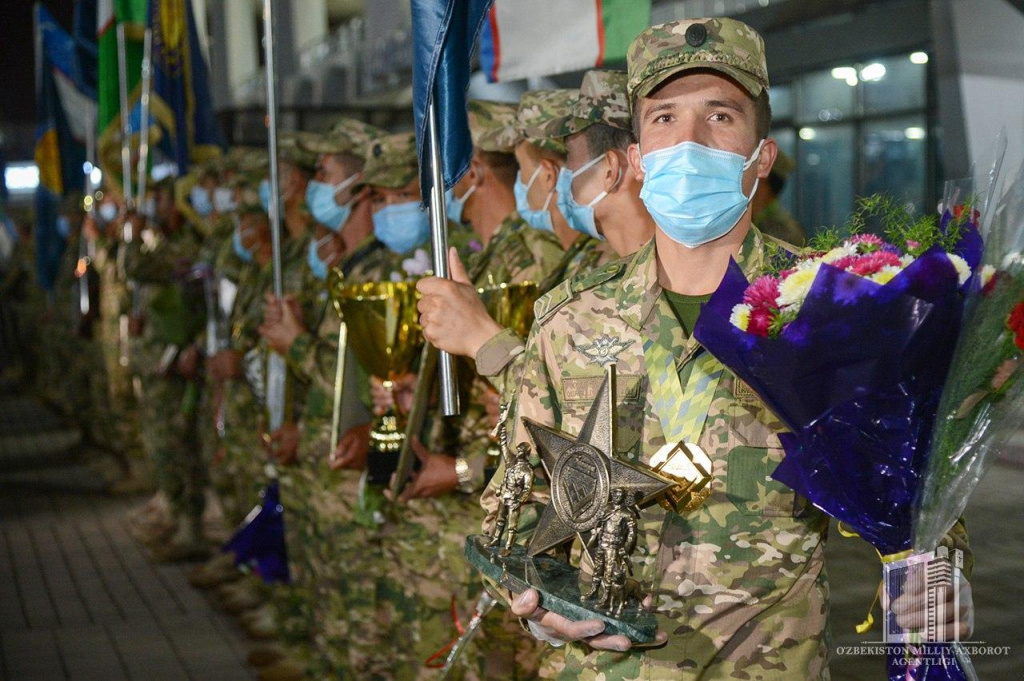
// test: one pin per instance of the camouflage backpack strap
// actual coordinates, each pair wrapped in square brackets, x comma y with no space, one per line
[550,302]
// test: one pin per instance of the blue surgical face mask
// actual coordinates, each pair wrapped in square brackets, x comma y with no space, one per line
[265,196]
[199,197]
[243,253]
[63,227]
[695,193]
[579,217]
[108,212]
[456,206]
[538,219]
[320,199]
[224,199]
[402,226]
[316,265]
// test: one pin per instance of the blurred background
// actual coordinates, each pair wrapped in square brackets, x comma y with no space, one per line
[869,94]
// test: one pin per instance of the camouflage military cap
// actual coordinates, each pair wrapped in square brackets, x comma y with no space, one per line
[602,99]
[542,115]
[391,161]
[347,136]
[722,44]
[493,125]
[290,150]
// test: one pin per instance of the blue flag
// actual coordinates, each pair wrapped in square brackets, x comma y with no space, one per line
[64,111]
[180,100]
[444,33]
[259,542]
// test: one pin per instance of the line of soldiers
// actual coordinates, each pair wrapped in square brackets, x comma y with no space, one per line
[559,193]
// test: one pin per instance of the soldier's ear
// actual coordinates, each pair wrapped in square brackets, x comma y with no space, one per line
[549,176]
[615,171]
[635,162]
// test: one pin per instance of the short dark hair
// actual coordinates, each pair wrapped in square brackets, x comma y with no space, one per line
[504,166]
[602,138]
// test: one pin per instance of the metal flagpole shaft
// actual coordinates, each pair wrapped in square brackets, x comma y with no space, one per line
[439,248]
[147,83]
[276,378]
[275,182]
[126,124]
[339,384]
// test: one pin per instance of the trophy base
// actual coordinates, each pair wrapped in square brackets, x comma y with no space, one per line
[380,466]
[558,585]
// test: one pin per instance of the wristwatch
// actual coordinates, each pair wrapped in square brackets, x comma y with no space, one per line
[465,475]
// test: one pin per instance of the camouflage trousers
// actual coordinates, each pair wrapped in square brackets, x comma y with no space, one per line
[168,418]
[240,471]
[436,578]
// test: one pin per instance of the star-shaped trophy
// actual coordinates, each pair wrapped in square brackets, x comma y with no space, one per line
[594,497]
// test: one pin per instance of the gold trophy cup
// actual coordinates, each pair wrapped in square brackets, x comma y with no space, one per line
[385,336]
[511,305]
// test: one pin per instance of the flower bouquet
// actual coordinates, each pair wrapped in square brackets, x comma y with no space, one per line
[849,345]
[984,397]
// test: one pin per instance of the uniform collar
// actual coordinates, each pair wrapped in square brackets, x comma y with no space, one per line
[640,291]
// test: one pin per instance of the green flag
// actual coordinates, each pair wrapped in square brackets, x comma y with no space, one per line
[132,13]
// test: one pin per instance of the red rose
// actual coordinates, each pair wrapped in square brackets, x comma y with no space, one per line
[1015,323]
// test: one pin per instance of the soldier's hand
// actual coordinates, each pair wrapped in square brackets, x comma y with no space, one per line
[911,608]
[435,478]
[280,334]
[402,393]
[352,449]
[188,362]
[225,365]
[271,309]
[287,440]
[452,315]
[552,627]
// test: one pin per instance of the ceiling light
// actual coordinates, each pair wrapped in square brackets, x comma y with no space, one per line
[807,133]
[919,57]
[872,73]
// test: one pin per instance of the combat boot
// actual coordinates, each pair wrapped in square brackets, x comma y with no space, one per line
[218,570]
[267,654]
[286,669]
[186,543]
[260,623]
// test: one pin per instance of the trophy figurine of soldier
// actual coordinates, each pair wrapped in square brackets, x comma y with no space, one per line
[596,498]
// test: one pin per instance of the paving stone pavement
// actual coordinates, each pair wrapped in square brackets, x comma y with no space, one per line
[78,598]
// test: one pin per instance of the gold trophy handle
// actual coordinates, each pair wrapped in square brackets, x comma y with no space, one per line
[417,417]
[339,382]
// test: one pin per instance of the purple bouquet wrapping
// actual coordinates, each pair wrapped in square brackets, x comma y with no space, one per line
[855,369]
[259,542]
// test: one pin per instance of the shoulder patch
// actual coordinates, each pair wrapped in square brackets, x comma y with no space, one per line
[596,277]
[549,303]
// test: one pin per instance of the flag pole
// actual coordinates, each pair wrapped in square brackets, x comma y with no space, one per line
[439,247]
[147,83]
[126,124]
[275,388]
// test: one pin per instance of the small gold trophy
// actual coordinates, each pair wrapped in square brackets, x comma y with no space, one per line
[385,335]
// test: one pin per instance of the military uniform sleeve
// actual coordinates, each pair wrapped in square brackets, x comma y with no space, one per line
[499,360]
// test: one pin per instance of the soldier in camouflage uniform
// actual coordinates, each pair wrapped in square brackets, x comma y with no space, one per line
[769,215]
[316,498]
[738,585]
[159,262]
[597,126]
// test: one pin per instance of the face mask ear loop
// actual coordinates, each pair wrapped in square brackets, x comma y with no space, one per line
[465,197]
[547,202]
[753,157]
[533,178]
[346,183]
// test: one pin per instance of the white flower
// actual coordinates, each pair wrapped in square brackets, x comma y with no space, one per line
[906,260]
[1012,258]
[963,270]
[740,317]
[987,272]
[839,252]
[885,275]
[418,265]
[795,287]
